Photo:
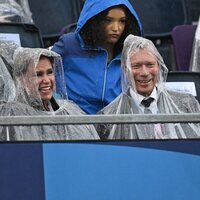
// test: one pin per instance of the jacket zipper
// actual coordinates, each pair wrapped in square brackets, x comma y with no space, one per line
[104,83]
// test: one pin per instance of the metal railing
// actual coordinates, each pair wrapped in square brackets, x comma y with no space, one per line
[98,119]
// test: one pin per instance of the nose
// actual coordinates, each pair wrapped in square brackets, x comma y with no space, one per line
[45,79]
[144,70]
[115,26]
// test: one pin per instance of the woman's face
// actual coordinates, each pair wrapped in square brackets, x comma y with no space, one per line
[115,25]
[42,77]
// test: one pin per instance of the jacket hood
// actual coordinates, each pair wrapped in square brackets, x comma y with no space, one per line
[94,7]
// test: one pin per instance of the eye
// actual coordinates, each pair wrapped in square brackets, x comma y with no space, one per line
[50,72]
[38,74]
[135,66]
[150,65]
[108,20]
[123,21]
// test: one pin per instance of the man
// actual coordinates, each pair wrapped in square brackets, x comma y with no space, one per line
[144,91]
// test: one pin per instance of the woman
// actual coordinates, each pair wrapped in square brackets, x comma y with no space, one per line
[35,76]
[91,55]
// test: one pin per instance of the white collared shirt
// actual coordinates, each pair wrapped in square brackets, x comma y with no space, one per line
[153,106]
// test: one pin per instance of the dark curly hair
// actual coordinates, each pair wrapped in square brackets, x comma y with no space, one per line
[93,35]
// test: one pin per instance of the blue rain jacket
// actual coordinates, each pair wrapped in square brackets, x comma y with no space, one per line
[90,82]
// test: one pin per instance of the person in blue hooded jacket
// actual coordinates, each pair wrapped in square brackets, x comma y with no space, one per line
[91,55]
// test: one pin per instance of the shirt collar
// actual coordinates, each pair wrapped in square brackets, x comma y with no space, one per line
[139,97]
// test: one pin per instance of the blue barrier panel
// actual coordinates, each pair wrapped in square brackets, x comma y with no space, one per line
[21,172]
[121,171]
[165,169]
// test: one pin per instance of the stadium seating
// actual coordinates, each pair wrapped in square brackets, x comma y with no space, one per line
[183,37]
[29,34]
[158,19]
[52,16]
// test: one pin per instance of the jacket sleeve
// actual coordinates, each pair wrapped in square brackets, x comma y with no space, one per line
[60,45]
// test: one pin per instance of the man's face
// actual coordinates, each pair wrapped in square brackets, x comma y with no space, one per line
[145,71]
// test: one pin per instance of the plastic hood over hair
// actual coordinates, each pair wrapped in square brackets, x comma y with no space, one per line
[7,49]
[27,59]
[7,87]
[132,45]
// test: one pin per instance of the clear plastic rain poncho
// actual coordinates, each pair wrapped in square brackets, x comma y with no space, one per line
[195,57]
[28,100]
[15,11]
[7,49]
[7,91]
[167,101]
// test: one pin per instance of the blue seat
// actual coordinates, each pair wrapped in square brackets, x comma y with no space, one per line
[52,16]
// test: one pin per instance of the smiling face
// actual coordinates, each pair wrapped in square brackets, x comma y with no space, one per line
[145,71]
[114,25]
[46,78]
[42,78]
